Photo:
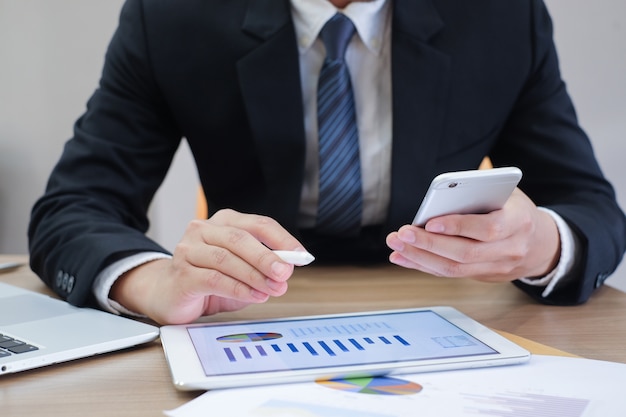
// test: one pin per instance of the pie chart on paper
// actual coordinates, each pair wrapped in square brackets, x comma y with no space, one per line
[374,385]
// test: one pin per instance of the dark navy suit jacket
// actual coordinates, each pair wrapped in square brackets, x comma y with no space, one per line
[469,79]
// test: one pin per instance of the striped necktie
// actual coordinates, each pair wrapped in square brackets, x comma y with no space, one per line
[340,193]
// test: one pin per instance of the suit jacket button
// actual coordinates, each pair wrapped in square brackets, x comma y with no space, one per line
[70,283]
[59,279]
[66,278]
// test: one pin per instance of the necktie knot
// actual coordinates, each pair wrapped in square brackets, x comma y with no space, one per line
[336,35]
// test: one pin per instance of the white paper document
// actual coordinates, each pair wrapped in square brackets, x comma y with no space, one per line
[545,386]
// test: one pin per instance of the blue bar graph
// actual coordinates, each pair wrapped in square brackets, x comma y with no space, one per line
[345,339]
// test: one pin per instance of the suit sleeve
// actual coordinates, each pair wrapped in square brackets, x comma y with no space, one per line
[544,138]
[93,211]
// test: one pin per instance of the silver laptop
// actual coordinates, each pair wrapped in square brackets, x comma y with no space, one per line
[37,330]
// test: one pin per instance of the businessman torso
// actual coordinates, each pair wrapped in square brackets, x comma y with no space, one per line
[227,76]
[469,79]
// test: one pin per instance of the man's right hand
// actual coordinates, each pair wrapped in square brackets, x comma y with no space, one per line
[221,264]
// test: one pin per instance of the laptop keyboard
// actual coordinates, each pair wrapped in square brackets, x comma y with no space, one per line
[10,346]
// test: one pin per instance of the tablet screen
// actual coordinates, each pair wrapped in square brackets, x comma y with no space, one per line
[310,343]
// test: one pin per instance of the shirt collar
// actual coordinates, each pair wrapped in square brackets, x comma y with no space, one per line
[369,18]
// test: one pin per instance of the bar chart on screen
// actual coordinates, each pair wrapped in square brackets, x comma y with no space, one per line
[239,346]
[332,341]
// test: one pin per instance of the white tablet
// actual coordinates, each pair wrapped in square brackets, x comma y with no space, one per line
[222,355]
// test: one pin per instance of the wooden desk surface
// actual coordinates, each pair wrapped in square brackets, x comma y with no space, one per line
[136,382]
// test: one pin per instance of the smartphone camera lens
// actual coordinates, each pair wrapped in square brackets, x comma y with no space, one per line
[452,185]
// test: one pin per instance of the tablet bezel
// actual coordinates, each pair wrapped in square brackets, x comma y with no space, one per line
[188,374]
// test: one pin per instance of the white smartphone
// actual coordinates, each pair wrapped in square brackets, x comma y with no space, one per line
[468,192]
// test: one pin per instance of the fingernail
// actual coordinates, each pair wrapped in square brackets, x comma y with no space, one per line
[396,245]
[259,295]
[274,285]
[407,236]
[279,269]
[435,227]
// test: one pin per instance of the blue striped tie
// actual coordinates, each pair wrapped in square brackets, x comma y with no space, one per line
[340,194]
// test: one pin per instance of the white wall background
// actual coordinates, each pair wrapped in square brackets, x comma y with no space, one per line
[51,54]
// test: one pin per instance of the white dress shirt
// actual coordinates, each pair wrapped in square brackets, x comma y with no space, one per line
[369,64]
[369,61]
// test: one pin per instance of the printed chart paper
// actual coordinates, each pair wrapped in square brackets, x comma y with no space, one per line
[545,386]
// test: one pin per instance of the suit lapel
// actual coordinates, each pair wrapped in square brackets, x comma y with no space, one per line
[270,83]
[420,78]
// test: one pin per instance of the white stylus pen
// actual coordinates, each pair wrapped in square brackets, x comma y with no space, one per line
[296,257]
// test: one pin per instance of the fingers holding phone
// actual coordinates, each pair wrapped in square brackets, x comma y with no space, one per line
[448,238]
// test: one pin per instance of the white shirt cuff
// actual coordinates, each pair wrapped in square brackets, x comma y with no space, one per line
[566,261]
[107,277]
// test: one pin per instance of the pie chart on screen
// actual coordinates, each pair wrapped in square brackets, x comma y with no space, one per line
[248,337]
